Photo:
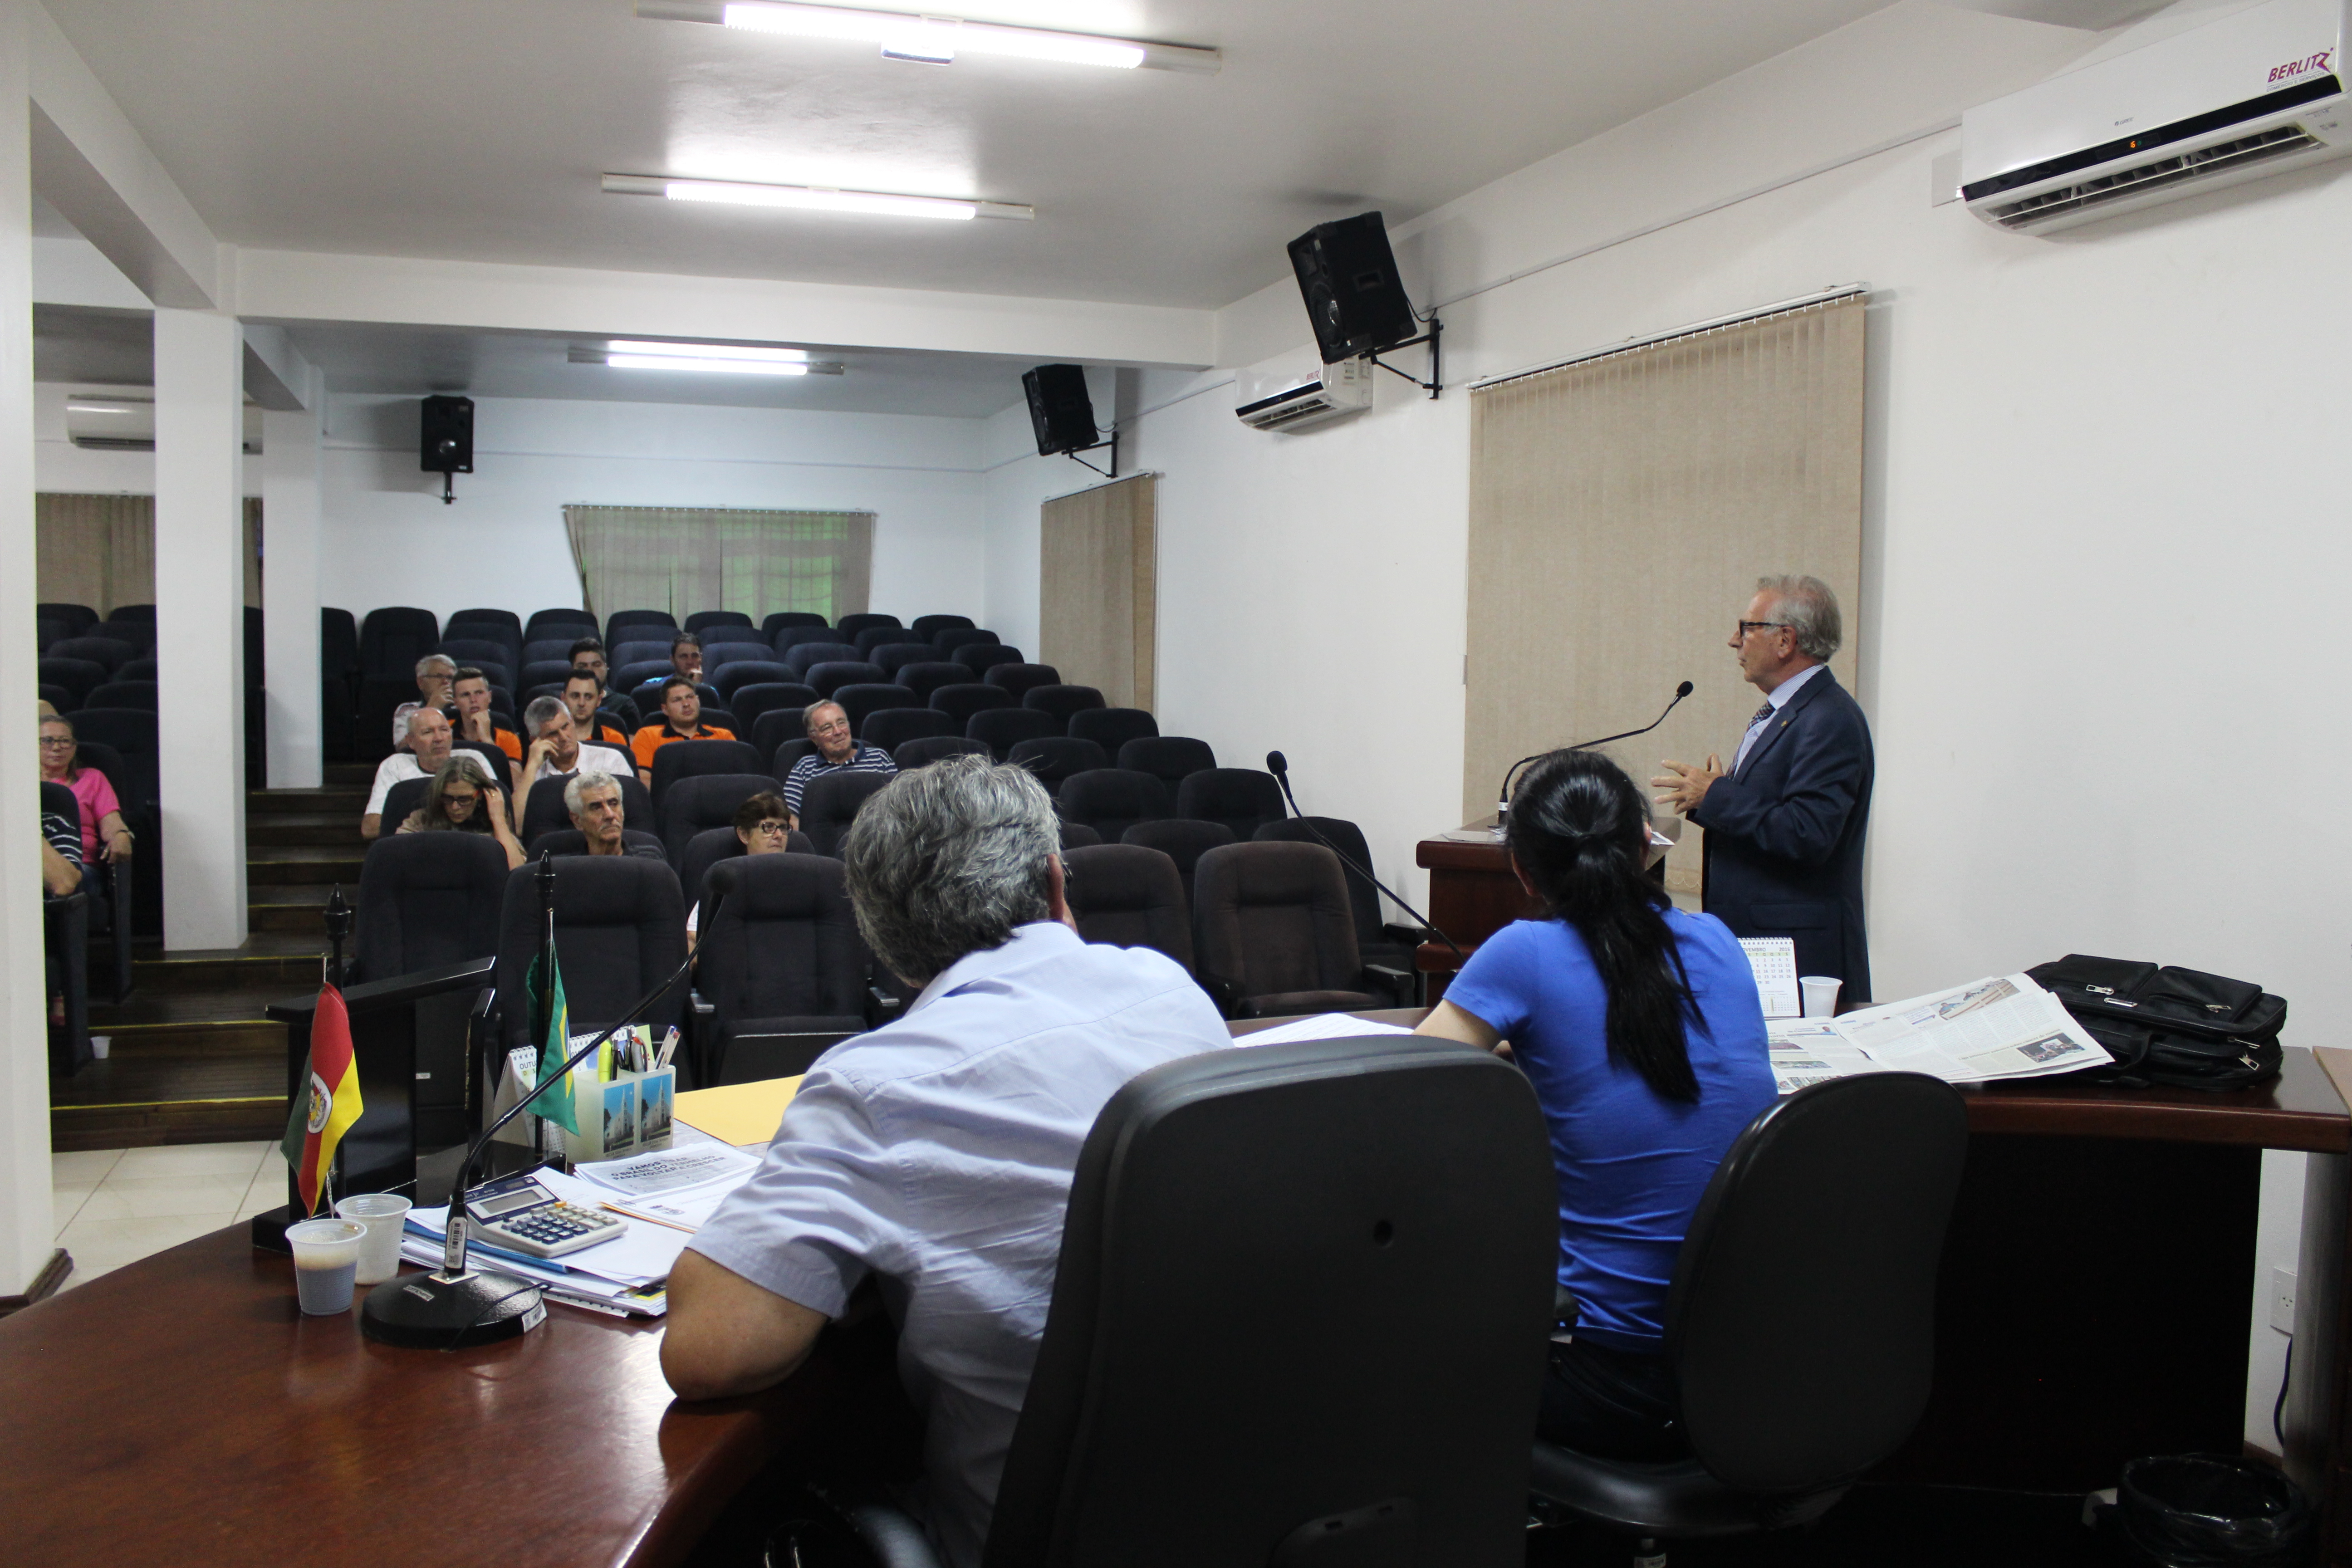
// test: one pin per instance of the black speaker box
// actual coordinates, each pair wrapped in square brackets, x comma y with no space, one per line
[1059,409]
[1347,276]
[447,444]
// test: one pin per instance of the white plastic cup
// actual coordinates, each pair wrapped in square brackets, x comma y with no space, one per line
[385,1214]
[99,1045]
[1820,994]
[326,1259]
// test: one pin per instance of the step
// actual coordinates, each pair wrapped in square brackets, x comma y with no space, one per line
[283,802]
[268,959]
[320,828]
[293,910]
[275,865]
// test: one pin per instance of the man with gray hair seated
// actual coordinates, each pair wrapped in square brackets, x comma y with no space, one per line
[593,799]
[437,677]
[1785,821]
[557,752]
[937,1150]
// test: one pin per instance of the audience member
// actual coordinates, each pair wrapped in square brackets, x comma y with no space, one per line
[456,801]
[61,873]
[761,825]
[829,726]
[471,692]
[583,694]
[436,672]
[428,741]
[102,813]
[593,799]
[685,657]
[924,1151]
[588,654]
[556,751]
[681,721]
[1639,1026]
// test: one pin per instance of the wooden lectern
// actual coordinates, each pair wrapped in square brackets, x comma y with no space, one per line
[1473,893]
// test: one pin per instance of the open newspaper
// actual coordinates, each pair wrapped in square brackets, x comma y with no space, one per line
[2003,1027]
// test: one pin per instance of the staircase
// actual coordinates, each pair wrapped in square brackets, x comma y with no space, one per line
[194,1060]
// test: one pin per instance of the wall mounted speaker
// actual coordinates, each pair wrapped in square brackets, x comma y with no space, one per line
[1348,276]
[447,444]
[1059,409]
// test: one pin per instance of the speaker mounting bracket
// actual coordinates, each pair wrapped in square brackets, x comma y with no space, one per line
[1436,382]
[1110,473]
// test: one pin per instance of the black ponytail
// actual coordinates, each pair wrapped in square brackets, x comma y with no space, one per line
[1578,829]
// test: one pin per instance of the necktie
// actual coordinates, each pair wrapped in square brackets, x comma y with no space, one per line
[1761,714]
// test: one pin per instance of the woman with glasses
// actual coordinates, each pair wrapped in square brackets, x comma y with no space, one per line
[102,813]
[457,800]
[762,827]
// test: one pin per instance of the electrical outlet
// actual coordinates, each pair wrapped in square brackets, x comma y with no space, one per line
[2282,1299]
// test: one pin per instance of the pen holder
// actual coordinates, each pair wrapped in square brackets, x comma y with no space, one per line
[629,1114]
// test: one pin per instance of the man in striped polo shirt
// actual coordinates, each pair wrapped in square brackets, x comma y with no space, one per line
[829,726]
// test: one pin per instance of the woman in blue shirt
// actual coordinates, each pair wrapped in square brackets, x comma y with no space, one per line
[1640,1027]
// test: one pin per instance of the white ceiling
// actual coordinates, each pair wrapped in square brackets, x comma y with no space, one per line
[475,129]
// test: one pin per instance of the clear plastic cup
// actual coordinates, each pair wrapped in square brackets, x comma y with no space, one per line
[326,1259]
[99,1045]
[385,1214]
[1821,992]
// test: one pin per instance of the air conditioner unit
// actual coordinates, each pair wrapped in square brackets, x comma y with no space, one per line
[111,422]
[2256,93]
[1290,400]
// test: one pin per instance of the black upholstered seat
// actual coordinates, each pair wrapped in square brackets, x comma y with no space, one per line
[427,899]
[702,620]
[712,844]
[1243,799]
[862,700]
[736,674]
[1111,800]
[926,628]
[704,801]
[960,702]
[850,625]
[1272,931]
[1019,679]
[792,620]
[893,657]
[543,811]
[143,694]
[1054,758]
[830,676]
[831,803]
[660,623]
[890,727]
[620,927]
[950,638]
[924,750]
[1063,702]
[982,657]
[104,652]
[691,759]
[1374,943]
[1171,758]
[868,640]
[80,677]
[802,658]
[1129,896]
[754,702]
[1183,840]
[1003,728]
[393,637]
[780,958]
[924,678]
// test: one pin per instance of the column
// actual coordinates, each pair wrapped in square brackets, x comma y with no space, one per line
[26,1227]
[200,625]
[289,592]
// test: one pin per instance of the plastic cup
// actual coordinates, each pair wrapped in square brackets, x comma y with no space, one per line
[385,1214]
[1820,994]
[99,1045]
[326,1259]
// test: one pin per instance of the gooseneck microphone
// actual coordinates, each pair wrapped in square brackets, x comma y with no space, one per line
[1503,797]
[1279,766]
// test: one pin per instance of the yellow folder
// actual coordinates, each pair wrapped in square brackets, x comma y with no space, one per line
[738,1113]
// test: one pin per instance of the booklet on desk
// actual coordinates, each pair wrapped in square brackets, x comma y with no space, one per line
[2000,1028]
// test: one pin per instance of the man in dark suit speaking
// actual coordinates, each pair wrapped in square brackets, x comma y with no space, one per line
[1784,825]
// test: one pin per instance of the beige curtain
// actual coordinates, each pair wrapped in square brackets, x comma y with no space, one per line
[1097,589]
[100,550]
[688,559]
[1620,511]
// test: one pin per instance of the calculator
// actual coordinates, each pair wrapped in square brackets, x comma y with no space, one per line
[530,1220]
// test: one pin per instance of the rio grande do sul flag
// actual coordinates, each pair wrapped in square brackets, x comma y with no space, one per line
[323,1114]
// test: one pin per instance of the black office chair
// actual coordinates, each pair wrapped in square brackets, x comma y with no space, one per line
[620,621]
[399,801]
[926,628]
[702,620]
[1129,896]
[1800,1323]
[831,801]
[1005,727]
[639,651]
[120,923]
[959,702]
[58,699]
[104,652]
[427,899]
[1111,800]
[570,625]
[787,638]
[830,676]
[1273,934]
[949,639]
[1243,799]
[393,637]
[1019,679]
[1171,758]
[548,672]
[481,650]
[139,669]
[868,639]
[795,620]
[641,682]
[924,750]
[849,626]
[780,727]
[1075,834]
[80,677]
[692,758]
[803,657]
[1054,758]
[140,694]
[736,674]
[980,658]
[787,752]
[862,701]
[893,657]
[1183,840]
[925,678]
[891,727]
[620,927]
[75,619]
[505,620]
[712,844]
[1377,942]
[781,965]
[139,636]
[756,700]
[1363,1195]
[1063,702]
[543,811]
[551,650]
[704,801]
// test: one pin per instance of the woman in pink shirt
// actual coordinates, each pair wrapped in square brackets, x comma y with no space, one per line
[102,813]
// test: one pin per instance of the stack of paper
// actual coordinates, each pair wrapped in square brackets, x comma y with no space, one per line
[2002,1026]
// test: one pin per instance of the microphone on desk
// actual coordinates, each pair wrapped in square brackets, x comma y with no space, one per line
[454,1306]
[1503,797]
[1279,766]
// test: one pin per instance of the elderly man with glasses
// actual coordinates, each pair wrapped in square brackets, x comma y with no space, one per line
[829,726]
[1785,821]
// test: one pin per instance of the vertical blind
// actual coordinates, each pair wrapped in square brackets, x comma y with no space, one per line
[99,550]
[1097,589]
[689,559]
[1620,511]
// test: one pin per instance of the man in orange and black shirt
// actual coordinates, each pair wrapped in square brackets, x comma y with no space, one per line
[583,693]
[471,693]
[681,721]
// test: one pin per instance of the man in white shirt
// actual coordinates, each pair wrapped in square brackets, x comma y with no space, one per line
[428,741]
[937,1152]
[556,751]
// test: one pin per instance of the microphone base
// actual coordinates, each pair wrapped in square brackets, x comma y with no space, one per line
[426,1311]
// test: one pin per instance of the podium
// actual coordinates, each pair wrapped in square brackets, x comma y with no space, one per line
[1474,893]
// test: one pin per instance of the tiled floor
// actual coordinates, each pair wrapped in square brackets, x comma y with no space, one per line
[115,1206]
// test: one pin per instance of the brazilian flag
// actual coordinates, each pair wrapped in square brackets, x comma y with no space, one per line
[551,1025]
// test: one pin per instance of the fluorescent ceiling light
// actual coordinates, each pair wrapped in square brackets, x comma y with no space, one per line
[810,198]
[711,351]
[134,407]
[726,359]
[689,362]
[936,40]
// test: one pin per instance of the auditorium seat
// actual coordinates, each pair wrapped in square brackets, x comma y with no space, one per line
[924,679]
[873,638]
[926,628]
[552,650]
[806,657]
[790,637]
[1243,799]
[639,650]
[1021,678]
[627,678]
[850,625]
[105,652]
[125,694]
[755,700]
[80,677]
[480,650]
[139,670]
[712,844]
[58,699]
[697,759]
[954,638]
[544,672]
[619,621]
[1126,895]
[738,673]
[620,927]
[703,800]
[546,626]
[139,635]
[1171,758]
[780,956]
[1054,758]
[924,750]
[1075,834]
[1112,800]
[1003,728]
[1271,933]
[401,801]
[960,702]
[505,619]
[980,658]
[788,751]
[890,727]
[831,801]
[702,620]
[890,658]
[427,899]
[1183,840]
[782,723]
[860,701]
[831,675]
[783,619]
[564,841]
[76,618]
[393,637]
[132,613]
[718,657]
[1063,702]
[543,811]
[1376,943]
